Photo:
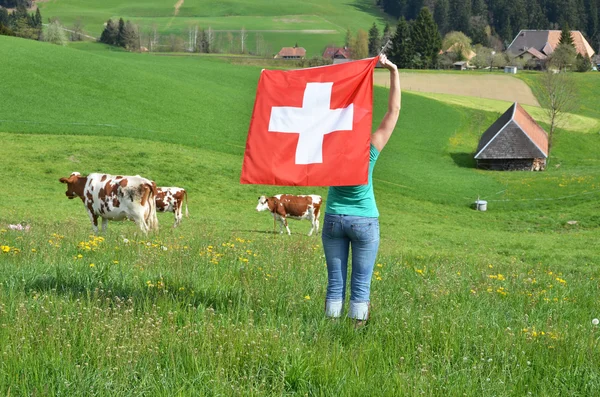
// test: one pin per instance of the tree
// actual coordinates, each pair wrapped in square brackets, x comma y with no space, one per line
[3,17]
[458,42]
[402,51]
[563,56]
[348,39]
[559,95]
[565,36]
[361,47]
[37,19]
[77,30]
[243,37]
[440,15]
[583,63]
[55,34]
[426,38]
[484,57]
[387,34]
[110,33]
[121,33]
[374,40]
[131,39]
[459,14]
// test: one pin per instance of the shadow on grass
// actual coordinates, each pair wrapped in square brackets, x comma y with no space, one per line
[91,289]
[366,6]
[464,160]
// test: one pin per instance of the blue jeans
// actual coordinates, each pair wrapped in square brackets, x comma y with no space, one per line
[340,232]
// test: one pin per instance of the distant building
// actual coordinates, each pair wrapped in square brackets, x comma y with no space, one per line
[514,142]
[460,65]
[337,53]
[510,69]
[540,44]
[291,53]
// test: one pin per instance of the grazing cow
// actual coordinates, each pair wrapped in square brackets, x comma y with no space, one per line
[284,206]
[170,199]
[115,198]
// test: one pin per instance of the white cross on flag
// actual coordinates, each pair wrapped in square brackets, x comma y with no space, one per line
[311,127]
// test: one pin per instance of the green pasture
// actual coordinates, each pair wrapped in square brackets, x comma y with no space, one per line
[312,24]
[464,302]
[586,85]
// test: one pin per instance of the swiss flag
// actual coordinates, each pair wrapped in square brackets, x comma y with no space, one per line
[311,127]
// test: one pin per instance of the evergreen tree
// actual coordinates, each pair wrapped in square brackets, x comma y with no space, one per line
[536,19]
[412,9]
[3,17]
[583,63]
[386,34]
[479,8]
[459,15]
[402,50]
[565,36]
[426,38]
[374,40]
[38,18]
[110,33]
[121,39]
[440,14]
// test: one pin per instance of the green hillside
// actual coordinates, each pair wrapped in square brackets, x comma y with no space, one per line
[311,24]
[464,302]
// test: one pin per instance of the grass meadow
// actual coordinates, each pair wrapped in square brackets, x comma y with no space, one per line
[313,24]
[493,303]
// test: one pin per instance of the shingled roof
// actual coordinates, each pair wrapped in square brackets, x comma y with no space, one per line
[515,135]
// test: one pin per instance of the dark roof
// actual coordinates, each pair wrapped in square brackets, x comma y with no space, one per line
[514,135]
[535,53]
[337,53]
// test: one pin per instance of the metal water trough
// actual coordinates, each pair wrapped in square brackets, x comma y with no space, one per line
[481,205]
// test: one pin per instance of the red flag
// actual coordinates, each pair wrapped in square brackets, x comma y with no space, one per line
[311,127]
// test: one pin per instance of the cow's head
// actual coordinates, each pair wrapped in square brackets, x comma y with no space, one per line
[263,203]
[75,185]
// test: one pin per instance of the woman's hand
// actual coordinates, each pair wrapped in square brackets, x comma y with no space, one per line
[386,63]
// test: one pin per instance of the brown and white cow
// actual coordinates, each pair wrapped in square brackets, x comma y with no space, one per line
[170,199]
[284,206]
[115,198]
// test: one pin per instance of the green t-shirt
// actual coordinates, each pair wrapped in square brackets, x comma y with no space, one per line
[355,200]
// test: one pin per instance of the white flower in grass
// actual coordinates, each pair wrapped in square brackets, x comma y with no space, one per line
[595,321]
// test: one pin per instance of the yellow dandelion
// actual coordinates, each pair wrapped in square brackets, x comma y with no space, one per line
[307,297]
[379,265]
[33,250]
[92,265]
[79,256]
[116,262]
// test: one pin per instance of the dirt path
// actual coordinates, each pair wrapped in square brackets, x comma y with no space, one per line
[177,6]
[494,86]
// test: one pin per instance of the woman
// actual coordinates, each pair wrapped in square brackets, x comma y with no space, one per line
[351,220]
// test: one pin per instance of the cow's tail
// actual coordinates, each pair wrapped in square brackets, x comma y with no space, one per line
[187,215]
[149,195]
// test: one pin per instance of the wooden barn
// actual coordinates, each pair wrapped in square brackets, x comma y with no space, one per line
[514,142]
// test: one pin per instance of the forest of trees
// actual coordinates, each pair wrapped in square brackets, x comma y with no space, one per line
[21,23]
[495,23]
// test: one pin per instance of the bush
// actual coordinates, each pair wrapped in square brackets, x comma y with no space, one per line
[55,34]
[583,63]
